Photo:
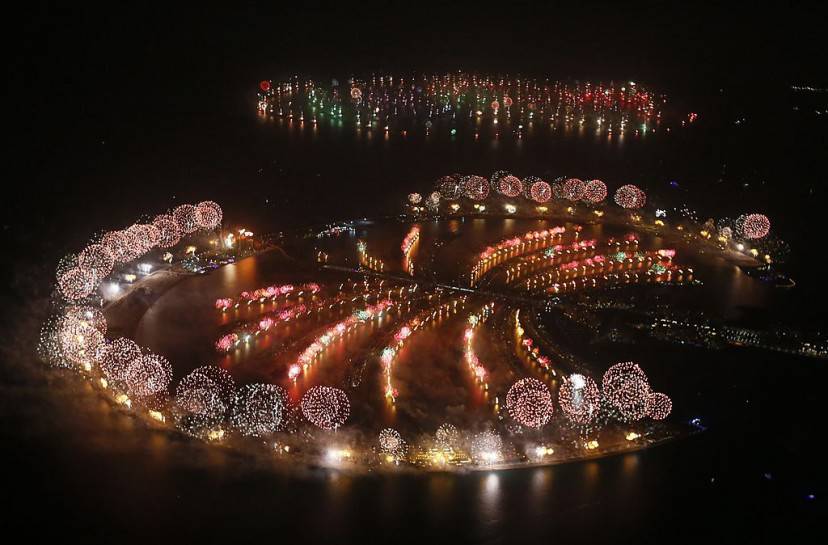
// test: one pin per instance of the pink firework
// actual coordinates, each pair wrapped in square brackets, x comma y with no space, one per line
[433,200]
[133,246]
[77,283]
[142,239]
[118,244]
[148,376]
[755,226]
[169,234]
[80,342]
[626,388]
[557,189]
[225,343]
[529,402]
[475,187]
[203,398]
[595,191]
[265,323]
[224,303]
[151,234]
[391,442]
[186,216]
[326,407]
[659,406]
[579,398]
[91,316]
[574,189]
[208,215]
[630,197]
[118,359]
[98,259]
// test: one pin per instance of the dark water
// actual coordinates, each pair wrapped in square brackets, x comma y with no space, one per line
[74,464]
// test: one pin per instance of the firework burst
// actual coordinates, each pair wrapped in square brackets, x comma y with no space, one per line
[579,398]
[203,398]
[574,189]
[626,389]
[753,226]
[595,191]
[257,409]
[529,402]
[391,443]
[169,234]
[630,197]
[475,188]
[326,407]
[487,448]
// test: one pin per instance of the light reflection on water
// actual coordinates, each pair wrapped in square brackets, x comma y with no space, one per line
[490,496]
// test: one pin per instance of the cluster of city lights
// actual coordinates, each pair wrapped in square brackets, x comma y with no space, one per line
[513,247]
[367,260]
[630,266]
[262,295]
[478,370]
[407,247]
[528,344]
[310,354]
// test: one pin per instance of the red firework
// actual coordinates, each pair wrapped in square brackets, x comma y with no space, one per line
[630,196]
[595,191]
[475,187]
[510,186]
[540,191]
[573,189]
